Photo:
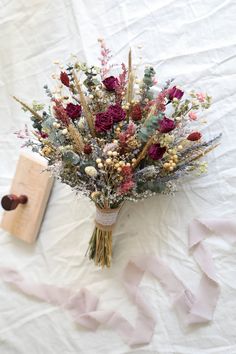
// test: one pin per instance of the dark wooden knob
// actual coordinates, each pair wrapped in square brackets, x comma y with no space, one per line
[11,201]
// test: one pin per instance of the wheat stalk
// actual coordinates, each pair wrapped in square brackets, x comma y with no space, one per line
[129,94]
[76,138]
[87,113]
[143,153]
[28,108]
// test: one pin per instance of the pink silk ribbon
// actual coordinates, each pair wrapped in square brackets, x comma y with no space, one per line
[198,308]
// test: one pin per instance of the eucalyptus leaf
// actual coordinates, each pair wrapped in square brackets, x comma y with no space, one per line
[71,157]
[47,124]
[153,186]
[56,138]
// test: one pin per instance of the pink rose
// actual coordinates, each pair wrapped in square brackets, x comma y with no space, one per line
[192,115]
[201,97]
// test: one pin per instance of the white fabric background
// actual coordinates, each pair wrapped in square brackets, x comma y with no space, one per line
[191,40]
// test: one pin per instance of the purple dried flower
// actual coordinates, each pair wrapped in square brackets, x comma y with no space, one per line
[111,83]
[156,152]
[166,125]
[175,92]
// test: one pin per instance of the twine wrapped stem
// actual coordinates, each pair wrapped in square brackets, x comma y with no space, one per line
[100,245]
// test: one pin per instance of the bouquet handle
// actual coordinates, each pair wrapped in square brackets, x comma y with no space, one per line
[100,244]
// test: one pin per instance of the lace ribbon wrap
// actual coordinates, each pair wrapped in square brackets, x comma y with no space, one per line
[105,219]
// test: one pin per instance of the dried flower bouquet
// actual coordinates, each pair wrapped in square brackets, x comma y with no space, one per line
[116,138]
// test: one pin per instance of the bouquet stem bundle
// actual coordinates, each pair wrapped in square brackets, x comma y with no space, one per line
[100,244]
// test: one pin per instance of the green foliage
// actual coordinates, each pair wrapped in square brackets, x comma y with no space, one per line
[149,74]
[71,157]
[150,127]
[153,186]
[47,124]
[37,125]
[56,137]
[37,107]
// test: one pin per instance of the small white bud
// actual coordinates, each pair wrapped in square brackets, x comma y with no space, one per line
[91,171]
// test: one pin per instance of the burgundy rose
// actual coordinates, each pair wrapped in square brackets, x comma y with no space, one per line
[87,149]
[156,152]
[111,83]
[194,136]
[175,92]
[65,79]
[73,110]
[103,122]
[136,113]
[117,113]
[166,125]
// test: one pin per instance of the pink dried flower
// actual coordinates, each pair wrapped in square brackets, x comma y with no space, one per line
[122,80]
[131,129]
[192,115]
[60,112]
[23,134]
[127,172]
[161,101]
[128,183]
[201,97]
[125,187]
[123,136]
[104,59]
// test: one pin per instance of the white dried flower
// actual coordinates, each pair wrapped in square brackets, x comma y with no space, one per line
[91,171]
[81,123]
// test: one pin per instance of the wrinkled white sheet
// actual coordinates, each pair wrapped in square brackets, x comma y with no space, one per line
[191,40]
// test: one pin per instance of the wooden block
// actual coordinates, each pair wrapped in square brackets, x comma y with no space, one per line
[24,222]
